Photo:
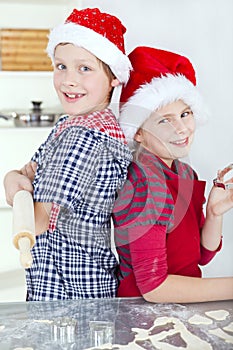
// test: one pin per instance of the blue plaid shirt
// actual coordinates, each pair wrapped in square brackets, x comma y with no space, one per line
[80,167]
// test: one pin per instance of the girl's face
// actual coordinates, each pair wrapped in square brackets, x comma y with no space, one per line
[80,80]
[168,133]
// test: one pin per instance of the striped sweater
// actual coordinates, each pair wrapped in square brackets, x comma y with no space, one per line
[158,219]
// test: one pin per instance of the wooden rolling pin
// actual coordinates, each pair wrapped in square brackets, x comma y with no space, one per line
[24,226]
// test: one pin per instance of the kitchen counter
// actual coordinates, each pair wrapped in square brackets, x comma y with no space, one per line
[84,324]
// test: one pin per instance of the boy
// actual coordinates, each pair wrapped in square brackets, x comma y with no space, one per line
[81,164]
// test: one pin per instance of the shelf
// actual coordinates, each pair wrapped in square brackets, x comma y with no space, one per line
[48,2]
[25,73]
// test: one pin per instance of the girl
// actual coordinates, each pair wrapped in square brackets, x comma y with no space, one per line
[161,233]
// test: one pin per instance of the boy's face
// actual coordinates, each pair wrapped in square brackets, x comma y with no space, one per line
[168,132]
[80,80]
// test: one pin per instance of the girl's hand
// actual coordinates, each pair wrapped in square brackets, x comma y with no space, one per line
[221,195]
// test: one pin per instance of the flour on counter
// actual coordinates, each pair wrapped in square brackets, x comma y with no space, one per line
[178,328]
[162,336]
[221,334]
[218,315]
[198,319]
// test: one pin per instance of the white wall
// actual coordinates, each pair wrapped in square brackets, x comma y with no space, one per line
[203,31]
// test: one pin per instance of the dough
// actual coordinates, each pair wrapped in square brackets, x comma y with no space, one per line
[159,340]
[43,321]
[218,315]
[221,334]
[172,327]
[198,319]
[229,327]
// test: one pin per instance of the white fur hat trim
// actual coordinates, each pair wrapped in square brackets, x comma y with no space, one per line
[98,45]
[156,94]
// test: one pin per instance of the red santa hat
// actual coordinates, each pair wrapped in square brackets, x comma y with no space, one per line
[158,78]
[97,32]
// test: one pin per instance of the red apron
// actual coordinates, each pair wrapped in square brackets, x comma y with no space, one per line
[183,242]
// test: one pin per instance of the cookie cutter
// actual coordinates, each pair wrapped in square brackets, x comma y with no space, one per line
[222,185]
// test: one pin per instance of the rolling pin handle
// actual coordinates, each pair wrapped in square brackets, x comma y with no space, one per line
[25,253]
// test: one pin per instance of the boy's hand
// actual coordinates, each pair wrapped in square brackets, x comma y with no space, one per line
[17,180]
[29,170]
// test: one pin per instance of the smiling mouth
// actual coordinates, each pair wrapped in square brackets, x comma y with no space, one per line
[73,96]
[183,142]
